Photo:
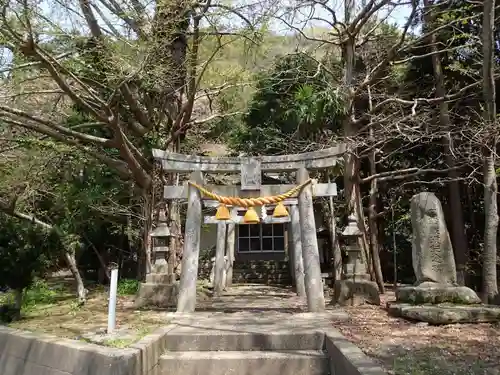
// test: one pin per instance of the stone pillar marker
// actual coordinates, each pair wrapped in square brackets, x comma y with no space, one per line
[435,297]
[355,288]
[230,243]
[219,275]
[432,251]
[189,275]
[298,263]
[310,252]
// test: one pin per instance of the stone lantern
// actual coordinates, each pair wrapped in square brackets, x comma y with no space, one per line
[160,288]
[355,267]
[160,238]
[355,288]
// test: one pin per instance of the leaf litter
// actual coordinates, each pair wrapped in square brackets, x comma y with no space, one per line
[408,348]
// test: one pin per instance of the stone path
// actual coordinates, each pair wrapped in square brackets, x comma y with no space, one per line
[276,323]
[255,298]
[252,305]
[256,304]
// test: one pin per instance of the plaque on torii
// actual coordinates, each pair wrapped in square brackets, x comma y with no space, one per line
[307,270]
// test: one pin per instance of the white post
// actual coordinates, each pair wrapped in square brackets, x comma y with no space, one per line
[112,300]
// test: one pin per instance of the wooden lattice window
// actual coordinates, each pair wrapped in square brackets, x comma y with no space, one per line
[261,238]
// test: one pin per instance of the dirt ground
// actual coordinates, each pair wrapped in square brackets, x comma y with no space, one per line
[419,349]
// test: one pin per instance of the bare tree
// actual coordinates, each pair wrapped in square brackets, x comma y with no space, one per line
[490,287]
[457,227]
[130,77]
[380,123]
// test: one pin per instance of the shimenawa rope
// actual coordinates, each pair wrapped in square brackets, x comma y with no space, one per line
[250,202]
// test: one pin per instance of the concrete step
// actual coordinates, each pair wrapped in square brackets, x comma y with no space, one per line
[183,339]
[244,363]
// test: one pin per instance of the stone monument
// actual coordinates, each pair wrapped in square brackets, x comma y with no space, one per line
[435,297]
[432,252]
[355,288]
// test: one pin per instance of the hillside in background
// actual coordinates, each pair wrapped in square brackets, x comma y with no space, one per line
[236,65]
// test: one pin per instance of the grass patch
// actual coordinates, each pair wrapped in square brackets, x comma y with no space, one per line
[43,294]
[121,343]
[51,307]
[118,343]
[39,294]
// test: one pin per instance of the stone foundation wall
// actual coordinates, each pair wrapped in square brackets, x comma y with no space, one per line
[262,272]
[25,353]
[30,354]
[254,272]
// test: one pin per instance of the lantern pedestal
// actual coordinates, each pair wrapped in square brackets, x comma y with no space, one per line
[355,288]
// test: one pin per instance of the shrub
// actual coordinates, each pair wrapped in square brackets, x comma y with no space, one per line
[27,251]
[127,287]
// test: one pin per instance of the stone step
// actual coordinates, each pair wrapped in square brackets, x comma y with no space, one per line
[262,265]
[270,275]
[244,363]
[183,339]
[258,277]
[262,282]
[256,266]
[260,272]
[250,273]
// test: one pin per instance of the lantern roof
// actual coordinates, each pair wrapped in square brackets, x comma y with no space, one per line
[352,229]
[161,230]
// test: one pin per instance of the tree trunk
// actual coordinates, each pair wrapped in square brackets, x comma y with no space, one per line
[458,237]
[372,219]
[352,191]
[175,232]
[372,213]
[81,292]
[144,257]
[490,287]
[174,217]
[18,303]
[171,24]
[337,252]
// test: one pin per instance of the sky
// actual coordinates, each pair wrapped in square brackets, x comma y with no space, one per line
[69,20]
[397,15]
[252,9]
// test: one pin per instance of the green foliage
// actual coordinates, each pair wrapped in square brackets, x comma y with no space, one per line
[127,287]
[294,100]
[26,251]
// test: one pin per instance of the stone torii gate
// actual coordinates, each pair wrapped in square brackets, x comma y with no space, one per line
[305,246]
